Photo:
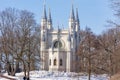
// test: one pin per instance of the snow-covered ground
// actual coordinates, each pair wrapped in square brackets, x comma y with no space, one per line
[46,75]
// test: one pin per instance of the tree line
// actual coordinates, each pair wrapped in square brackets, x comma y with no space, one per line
[101,53]
[19,41]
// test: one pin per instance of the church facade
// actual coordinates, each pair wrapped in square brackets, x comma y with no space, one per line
[58,49]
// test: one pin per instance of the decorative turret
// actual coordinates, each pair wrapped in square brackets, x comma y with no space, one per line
[44,13]
[77,20]
[44,19]
[44,38]
[72,29]
[72,13]
[77,17]
[49,21]
[71,20]
[77,28]
[44,29]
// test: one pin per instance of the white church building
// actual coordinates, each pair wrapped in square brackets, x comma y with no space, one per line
[58,49]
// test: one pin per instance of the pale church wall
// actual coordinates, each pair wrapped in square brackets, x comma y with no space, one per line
[62,53]
[57,56]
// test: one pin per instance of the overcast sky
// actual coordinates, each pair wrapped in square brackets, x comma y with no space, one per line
[92,13]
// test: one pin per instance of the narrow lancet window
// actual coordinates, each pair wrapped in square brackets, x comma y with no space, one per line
[61,62]
[55,62]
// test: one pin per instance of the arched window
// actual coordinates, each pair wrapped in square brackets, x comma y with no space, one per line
[50,62]
[55,62]
[57,44]
[61,62]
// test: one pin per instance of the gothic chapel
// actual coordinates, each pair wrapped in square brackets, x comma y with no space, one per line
[59,47]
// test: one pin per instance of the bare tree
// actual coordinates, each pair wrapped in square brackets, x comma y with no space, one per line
[87,51]
[8,21]
[18,41]
[25,39]
[110,42]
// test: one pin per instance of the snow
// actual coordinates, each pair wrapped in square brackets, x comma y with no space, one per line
[3,79]
[47,75]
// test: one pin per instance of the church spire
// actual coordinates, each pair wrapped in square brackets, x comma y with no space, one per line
[72,13]
[49,20]
[49,16]
[72,10]
[77,17]
[77,21]
[44,12]
[44,18]
[72,20]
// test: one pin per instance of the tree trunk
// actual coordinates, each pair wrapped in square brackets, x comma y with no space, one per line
[24,66]
[89,68]
[28,70]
